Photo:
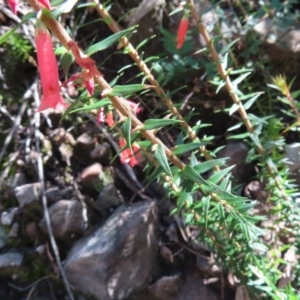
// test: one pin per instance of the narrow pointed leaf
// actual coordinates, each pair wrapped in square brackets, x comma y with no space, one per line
[123,90]
[64,8]
[158,123]
[217,176]
[205,205]
[180,149]
[208,165]
[240,79]
[108,41]
[99,104]
[191,174]
[161,157]
[66,61]
[126,130]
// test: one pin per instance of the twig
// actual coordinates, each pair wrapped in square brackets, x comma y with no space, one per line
[149,76]
[44,199]
[230,88]
[125,110]
[18,119]
[23,289]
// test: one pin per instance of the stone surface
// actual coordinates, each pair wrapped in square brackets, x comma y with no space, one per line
[66,217]
[109,197]
[166,286]
[236,153]
[292,160]
[28,193]
[10,262]
[3,237]
[119,257]
[7,217]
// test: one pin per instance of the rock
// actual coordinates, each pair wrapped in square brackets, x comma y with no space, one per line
[16,180]
[7,217]
[256,190]
[10,262]
[95,177]
[28,194]
[67,217]
[54,194]
[166,286]
[3,237]
[237,153]
[101,151]
[13,233]
[109,197]
[292,160]
[119,257]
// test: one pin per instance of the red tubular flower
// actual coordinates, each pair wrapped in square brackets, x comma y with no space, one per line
[126,155]
[13,4]
[83,60]
[182,30]
[46,3]
[48,71]
[109,119]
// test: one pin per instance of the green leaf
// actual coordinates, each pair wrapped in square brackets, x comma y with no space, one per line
[161,157]
[157,172]
[6,35]
[123,90]
[233,108]
[108,41]
[239,136]
[217,176]
[66,61]
[191,174]
[64,8]
[60,50]
[126,130]
[205,205]
[249,103]
[208,165]
[99,104]
[158,123]
[240,79]
[228,46]
[180,149]
[144,144]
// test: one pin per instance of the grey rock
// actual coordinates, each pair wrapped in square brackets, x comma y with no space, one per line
[7,217]
[28,193]
[16,180]
[101,151]
[292,160]
[109,197]
[236,153]
[67,217]
[3,237]
[166,286]
[13,233]
[10,262]
[119,257]
[54,194]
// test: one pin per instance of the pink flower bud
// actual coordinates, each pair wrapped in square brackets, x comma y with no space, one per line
[46,3]
[13,4]
[48,71]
